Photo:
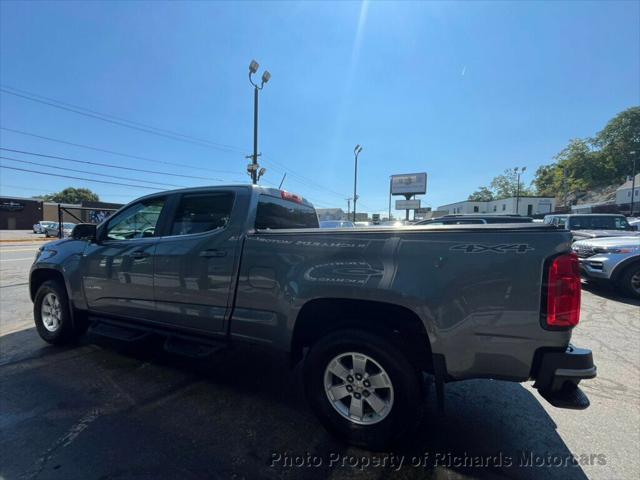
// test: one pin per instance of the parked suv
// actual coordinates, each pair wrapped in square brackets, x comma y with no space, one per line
[611,259]
[592,225]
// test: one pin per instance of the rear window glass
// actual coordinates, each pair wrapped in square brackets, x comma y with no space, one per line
[275,213]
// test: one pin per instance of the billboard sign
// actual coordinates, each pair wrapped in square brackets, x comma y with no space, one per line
[407,204]
[409,184]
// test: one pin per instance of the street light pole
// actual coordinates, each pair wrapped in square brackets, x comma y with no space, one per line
[253,168]
[633,181]
[518,187]
[390,183]
[356,152]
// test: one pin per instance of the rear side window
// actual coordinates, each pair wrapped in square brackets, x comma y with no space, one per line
[598,223]
[199,213]
[275,213]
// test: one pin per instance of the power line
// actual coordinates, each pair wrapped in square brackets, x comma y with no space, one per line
[90,173]
[152,130]
[111,152]
[79,178]
[123,122]
[17,187]
[109,165]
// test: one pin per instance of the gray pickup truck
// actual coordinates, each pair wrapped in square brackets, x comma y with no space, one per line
[363,312]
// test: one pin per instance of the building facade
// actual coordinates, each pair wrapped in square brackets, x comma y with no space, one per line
[623,195]
[526,206]
[18,213]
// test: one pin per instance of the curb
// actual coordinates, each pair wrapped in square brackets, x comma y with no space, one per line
[38,239]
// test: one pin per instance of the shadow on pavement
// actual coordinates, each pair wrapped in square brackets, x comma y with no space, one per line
[605,290]
[104,410]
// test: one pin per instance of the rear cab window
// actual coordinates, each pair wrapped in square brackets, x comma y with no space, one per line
[202,212]
[275,213]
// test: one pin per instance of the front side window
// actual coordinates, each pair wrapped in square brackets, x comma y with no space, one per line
[137,221]
[199,213]
[275,213]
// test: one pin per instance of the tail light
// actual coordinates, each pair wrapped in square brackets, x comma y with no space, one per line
[563,291]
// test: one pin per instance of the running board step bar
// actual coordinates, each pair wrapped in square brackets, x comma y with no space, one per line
[117,332]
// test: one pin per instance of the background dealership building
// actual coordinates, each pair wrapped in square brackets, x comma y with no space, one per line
[18,213]
[526,205]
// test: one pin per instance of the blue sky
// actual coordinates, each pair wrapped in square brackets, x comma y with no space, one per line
[459,90]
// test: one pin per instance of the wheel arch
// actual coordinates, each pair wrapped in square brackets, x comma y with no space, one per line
[41,275]
[320,317]
[621,268]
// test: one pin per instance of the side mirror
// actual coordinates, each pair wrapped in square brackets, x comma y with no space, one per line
[84,231]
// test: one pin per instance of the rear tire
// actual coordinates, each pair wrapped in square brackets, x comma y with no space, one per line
[52,315]
[362,413]
[630,281]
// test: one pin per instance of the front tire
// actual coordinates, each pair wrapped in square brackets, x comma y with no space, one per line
[52,315]
[363,388]
[630,281]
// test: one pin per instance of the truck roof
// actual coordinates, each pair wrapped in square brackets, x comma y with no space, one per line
[258,189]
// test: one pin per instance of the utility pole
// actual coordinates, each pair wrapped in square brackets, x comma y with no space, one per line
[633,181]
[390,182]
[564,186]
[356,152]
[518,187]
[348,207]
[254,169]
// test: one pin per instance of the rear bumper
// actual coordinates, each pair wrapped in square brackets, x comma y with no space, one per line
[559,373]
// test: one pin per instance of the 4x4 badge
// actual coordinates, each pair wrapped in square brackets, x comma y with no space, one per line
[501,248]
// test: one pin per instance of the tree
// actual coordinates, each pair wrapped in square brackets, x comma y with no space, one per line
[506,185]
[619,137]
[545,180]
[483,194]
[72,195]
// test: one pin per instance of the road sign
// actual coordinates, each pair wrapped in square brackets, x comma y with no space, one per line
[407,204]
[409,184]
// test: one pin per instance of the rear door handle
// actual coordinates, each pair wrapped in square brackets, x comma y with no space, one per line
[211,253]
[138,254]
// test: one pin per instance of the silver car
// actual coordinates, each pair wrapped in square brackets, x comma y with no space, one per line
[53,230]
[612,259]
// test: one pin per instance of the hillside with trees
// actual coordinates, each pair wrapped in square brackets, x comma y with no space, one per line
[584,165]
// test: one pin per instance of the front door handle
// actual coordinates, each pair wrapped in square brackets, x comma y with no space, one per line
[138,254]
[212,252]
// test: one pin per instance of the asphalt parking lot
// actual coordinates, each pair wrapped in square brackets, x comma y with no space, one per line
[103,410]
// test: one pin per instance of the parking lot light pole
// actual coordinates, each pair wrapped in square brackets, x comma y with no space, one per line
[633,181]
[356,152]
[253,169]
[518,187]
